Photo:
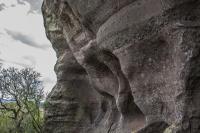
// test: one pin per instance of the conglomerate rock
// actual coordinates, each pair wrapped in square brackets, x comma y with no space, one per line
[124,66]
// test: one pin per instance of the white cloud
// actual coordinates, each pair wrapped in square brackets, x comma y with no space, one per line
[34,5]
[23,42]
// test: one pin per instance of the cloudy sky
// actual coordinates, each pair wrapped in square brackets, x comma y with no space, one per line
[23,42]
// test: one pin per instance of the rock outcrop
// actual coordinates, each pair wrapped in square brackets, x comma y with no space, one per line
[124,66]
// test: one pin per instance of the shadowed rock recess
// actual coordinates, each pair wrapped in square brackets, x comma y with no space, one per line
[124,66]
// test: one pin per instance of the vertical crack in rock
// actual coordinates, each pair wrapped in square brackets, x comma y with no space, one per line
[109,129]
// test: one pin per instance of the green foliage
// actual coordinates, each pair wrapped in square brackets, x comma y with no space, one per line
[23,113]
[7,125]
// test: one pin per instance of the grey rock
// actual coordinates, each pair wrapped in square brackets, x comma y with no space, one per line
[124,66]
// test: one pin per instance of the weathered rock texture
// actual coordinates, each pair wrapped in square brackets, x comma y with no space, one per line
[124,66]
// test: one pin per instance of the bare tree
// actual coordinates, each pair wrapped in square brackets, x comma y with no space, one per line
[25,89]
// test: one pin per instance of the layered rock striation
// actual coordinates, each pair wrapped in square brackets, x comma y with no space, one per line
[124,66]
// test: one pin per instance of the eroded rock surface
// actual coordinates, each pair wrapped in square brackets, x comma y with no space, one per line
[124,66]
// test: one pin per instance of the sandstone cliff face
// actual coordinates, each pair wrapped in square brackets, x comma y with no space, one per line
[124,66]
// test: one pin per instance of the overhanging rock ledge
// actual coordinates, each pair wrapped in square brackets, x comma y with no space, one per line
[124,66]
